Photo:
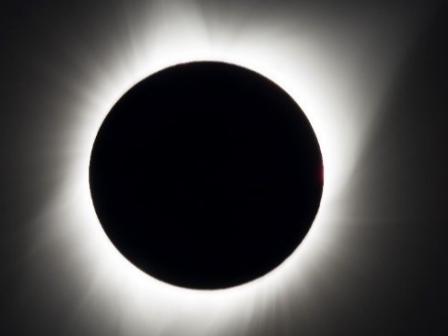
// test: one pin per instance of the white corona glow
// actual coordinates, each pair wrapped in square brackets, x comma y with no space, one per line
[318,77]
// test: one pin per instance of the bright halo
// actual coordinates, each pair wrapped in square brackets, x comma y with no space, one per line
[319,79]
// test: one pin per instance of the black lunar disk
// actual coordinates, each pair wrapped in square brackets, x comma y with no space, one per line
[206,175]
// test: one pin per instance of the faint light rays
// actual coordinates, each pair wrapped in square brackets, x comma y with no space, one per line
[308,65]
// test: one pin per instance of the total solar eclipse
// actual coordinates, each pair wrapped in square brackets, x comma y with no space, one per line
[206,175]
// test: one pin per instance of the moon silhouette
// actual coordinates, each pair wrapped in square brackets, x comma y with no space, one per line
[206,175]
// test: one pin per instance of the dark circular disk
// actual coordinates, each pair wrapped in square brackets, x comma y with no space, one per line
[206,175]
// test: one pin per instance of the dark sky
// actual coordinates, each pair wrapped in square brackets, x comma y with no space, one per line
[389,272]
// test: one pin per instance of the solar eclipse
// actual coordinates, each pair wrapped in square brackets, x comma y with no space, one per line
[371,80]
